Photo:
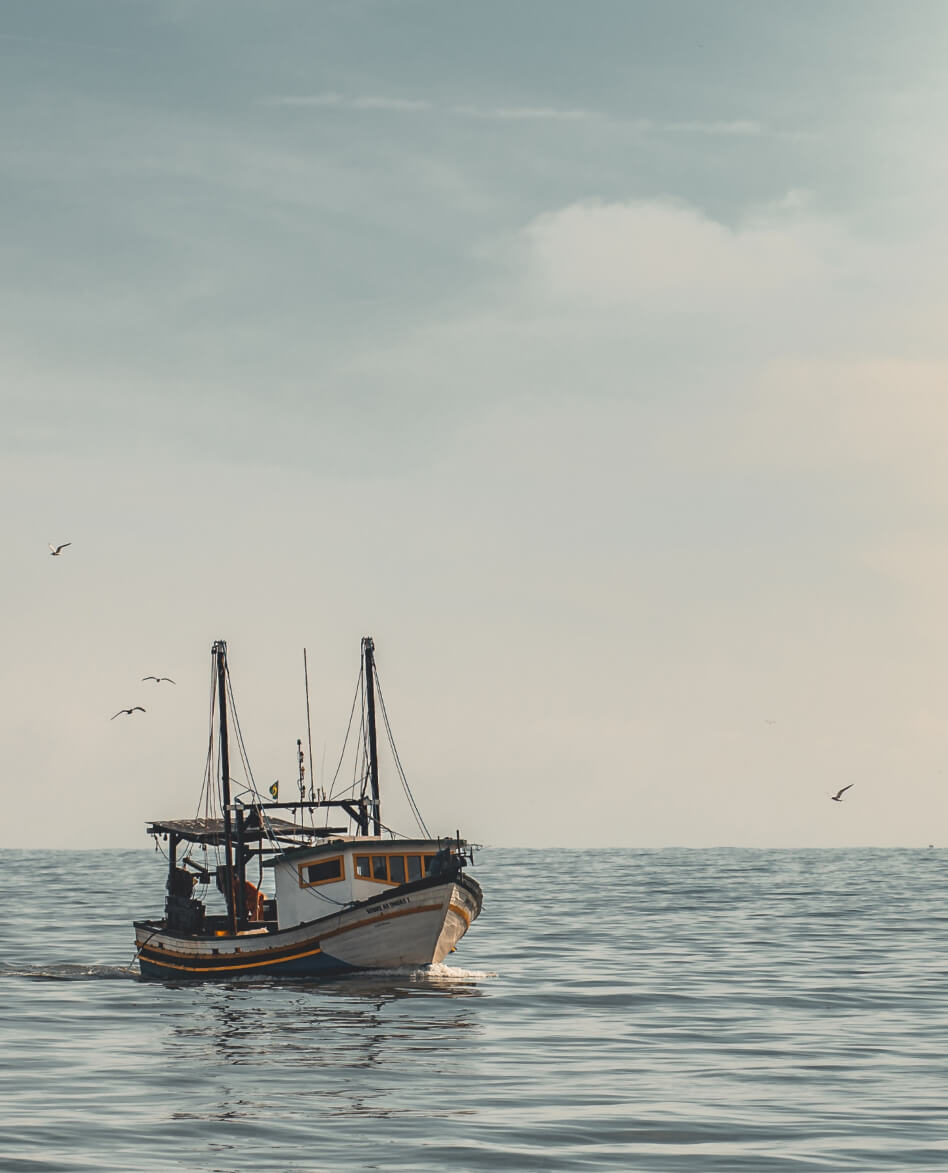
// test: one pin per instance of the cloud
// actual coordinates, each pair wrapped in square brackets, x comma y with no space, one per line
[740,127]
[333,100]
[337,101]
[668,255]
[782,352]
[525,113]
[883,415]
[612,298]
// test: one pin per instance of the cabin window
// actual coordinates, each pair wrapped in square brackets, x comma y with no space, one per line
[323,872]
[393,869]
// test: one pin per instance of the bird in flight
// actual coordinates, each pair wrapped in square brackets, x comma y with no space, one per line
[158,679]
[128,712]
[838,796]
[54,550]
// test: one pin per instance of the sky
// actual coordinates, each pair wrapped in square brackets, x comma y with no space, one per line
[591,358]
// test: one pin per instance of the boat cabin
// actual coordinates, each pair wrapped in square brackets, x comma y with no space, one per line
[310,881]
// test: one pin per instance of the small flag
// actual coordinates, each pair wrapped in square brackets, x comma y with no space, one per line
[275,789]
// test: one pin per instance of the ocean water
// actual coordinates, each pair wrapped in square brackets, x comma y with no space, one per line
[610,1010]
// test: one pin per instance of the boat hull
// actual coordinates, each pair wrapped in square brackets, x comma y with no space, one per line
[417,925]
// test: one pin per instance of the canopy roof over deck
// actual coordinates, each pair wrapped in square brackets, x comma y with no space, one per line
[211,831]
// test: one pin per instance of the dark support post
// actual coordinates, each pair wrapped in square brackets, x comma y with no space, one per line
[233,894]
[172,862]
[368,650]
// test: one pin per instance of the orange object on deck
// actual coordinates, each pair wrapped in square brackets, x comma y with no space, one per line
[254,899]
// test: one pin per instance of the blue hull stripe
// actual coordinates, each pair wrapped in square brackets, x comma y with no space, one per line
[310,964]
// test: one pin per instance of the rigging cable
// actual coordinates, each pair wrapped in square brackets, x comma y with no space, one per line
[248,771]
[363,775]
[398,763]
[309,734]
[242,749]
[209,762]
[208,793]
[332,787]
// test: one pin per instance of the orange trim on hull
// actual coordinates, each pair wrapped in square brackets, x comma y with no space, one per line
[462,913]
[183,964]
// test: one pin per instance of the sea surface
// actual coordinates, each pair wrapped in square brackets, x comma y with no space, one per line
[610,1010]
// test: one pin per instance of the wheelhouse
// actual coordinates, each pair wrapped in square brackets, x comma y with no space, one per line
[310,881]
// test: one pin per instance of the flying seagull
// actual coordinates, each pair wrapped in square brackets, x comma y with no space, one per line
[838,796]
[158,679]
[54,550]
[128,712]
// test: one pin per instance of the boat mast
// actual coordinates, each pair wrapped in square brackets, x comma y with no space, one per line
[368,652]
[220,656]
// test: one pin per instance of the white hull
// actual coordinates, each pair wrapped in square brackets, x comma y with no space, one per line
[415,926]
[406,930]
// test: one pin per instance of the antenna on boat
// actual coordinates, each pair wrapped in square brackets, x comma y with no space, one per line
[309,735]
[368,652]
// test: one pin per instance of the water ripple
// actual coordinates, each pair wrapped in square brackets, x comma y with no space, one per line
[650,1010]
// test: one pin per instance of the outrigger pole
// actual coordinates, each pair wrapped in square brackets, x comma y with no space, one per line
[368,651]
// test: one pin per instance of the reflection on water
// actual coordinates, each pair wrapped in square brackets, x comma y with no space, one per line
[360,1019]
[286,1051]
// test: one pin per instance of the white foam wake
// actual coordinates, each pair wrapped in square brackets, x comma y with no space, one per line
[453,972]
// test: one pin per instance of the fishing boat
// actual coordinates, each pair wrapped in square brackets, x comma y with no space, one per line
[297,897]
